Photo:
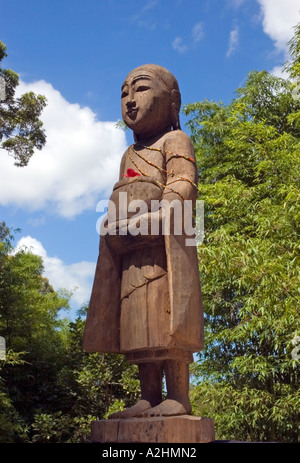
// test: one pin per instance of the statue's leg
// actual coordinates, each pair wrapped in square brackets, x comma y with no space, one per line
[150,375]
[151,382]
[177,401]
[177,379]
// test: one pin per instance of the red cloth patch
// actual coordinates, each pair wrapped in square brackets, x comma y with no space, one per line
[131,173]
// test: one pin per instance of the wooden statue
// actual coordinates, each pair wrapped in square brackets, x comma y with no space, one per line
[146,297]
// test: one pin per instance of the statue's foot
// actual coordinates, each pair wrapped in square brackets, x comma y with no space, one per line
[168,407]
[131,412]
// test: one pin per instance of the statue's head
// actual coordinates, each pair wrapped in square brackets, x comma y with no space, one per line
[150,101]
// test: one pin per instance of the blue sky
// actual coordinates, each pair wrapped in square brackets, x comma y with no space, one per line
[78,53]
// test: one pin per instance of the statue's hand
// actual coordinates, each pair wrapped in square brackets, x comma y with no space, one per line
[137,232]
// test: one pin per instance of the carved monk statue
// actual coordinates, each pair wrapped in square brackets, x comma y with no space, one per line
[146,297]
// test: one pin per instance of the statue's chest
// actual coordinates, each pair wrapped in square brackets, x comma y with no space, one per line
[147,162]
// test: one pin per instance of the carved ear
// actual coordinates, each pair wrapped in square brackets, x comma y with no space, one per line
[175,108]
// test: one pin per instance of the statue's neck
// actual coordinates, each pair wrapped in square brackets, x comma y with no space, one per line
[148,140]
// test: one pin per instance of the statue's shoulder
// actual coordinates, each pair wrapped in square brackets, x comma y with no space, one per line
[178,141]
[176,135]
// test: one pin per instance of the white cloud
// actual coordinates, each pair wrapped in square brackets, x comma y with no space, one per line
[37,222]
[143,18]
[77,277]
[178,45]
[198,32]
[149,5]
[278,20]
[278,71]
[79,162]
[233,41]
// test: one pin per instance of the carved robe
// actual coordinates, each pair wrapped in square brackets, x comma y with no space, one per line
[146,297]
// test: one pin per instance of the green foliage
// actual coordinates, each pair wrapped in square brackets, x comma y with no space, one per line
[57,427]
[10,422]
[50,389]
[121,125]
[93,384]
[293,67]
[116,406]
[249,166]
[96,380]
[29,323]
[21,130]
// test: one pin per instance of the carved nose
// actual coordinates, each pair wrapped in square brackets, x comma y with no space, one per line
[130,104]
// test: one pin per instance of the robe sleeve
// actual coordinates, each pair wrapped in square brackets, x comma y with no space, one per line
[102,327]
[182,260]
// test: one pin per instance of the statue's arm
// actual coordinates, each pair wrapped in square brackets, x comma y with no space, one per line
[182,176]
[122,166]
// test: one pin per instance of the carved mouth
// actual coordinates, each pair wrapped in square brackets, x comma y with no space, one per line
[132,113]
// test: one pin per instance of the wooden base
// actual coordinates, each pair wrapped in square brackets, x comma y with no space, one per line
[165,429]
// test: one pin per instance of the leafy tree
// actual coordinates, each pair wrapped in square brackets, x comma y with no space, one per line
[95,384]
[50,389]
[293,66]
[29,323]
[21,130]
[247,378]
[11,423]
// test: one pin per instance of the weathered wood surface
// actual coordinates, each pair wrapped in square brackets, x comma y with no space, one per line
[171,429]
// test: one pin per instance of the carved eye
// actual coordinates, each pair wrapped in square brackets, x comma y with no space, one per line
[142,88]
[124,94]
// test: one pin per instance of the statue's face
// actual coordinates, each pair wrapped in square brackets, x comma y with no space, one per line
[145,103]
